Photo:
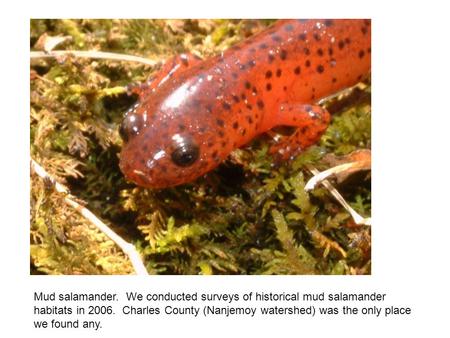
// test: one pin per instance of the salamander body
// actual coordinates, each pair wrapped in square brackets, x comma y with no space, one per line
[193,113]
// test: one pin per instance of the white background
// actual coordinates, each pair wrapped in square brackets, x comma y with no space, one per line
[410,75]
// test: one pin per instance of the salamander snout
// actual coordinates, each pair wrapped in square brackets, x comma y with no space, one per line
[164,149]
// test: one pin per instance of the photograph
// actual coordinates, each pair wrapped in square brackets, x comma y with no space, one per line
[200,147]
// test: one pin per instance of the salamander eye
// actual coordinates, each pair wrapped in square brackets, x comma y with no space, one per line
[130,126]
[123,131]
[186,151]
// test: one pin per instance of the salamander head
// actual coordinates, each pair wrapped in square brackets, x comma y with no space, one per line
[167,144]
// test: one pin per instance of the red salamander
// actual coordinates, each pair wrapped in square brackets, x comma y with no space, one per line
[193,113]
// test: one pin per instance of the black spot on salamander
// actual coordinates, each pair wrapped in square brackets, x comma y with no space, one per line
[196,103]
[226,106]
[262,46]
[297,70]
[235,125]
[270,58]
[302,37]
[223,144]
[367,22]
[288,28]
[254,91]
[283,54]
[307,63]
[243,97]
[268,74]
[244,131]
[220,122]
[278,73]
[181,127]
[328,23]
[361,54]
[284,88]
[333,80]
[251,63]
[249,106]
[221,133]
[234,76]
[364,30]
[316,36]
[242,67]
[369,50]
[144,147]
[236,98]
[307,51]
[210,144]
[248,85]
[142,161]
[320,69]
[214,154]
[276,38]
[320,52]
[260,104]
[359,77]
[268,87]
[330,51]
[201,130]
[341,44]
[347,41]
[249,119]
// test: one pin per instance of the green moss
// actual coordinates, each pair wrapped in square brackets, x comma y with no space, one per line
[247,217]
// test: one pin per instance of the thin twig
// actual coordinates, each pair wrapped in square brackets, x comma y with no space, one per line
[356,217]
[126,247]
[93,55]
[346,167]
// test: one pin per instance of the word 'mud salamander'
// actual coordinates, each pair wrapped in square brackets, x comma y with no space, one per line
[193,113]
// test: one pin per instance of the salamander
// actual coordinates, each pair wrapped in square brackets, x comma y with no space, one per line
[194,112]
